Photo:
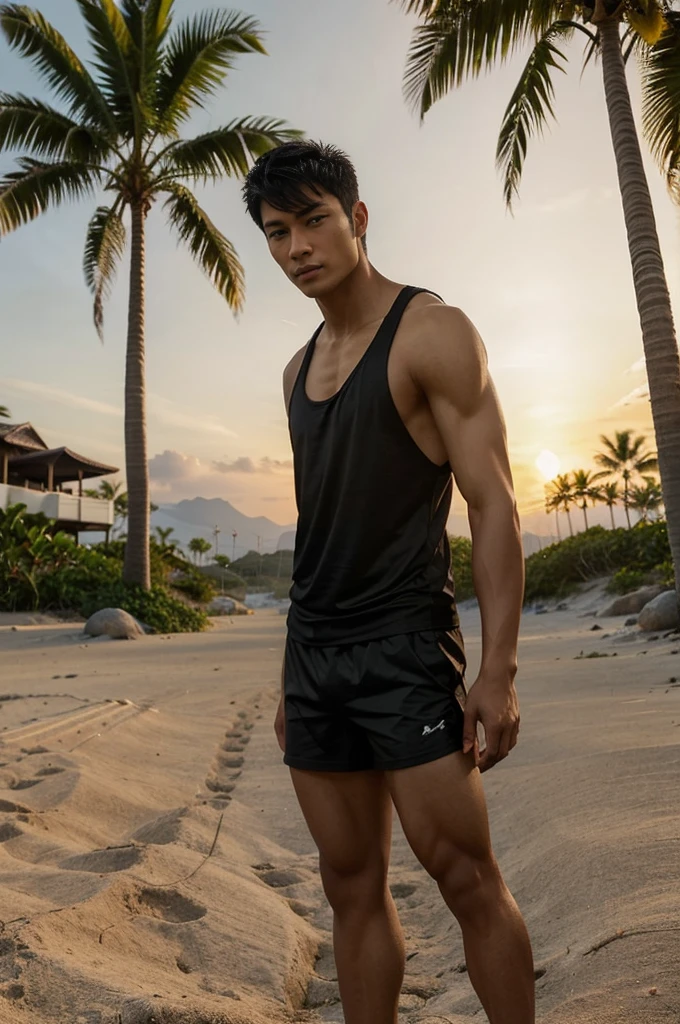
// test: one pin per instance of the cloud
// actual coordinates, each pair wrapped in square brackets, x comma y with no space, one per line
[246,465]
[58,395]
[171,467]
[637,366]
[633,397]
[242,465]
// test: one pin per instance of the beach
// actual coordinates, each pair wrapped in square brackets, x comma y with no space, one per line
[154,865]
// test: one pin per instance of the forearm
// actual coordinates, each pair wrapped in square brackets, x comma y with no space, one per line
[498,576]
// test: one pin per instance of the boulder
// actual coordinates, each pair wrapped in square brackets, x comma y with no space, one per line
[227,606]
[113,622]
[661,613]
[631,604]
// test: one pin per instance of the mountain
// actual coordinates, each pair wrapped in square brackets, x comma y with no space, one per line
[198,517]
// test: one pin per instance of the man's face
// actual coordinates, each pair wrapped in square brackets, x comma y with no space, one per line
[317,247]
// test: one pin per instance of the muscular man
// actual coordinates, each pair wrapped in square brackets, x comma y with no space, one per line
[389,398]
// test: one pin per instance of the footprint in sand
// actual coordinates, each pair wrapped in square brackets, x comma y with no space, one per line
[24,783]
[166,904]
[8,830]
[400,890]
[50,770]
[279,878]
[7,805]
[162,830]
[103,861]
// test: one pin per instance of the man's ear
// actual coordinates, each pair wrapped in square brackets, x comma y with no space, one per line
[360,219]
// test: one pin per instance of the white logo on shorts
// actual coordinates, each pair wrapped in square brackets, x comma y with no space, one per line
[427,730]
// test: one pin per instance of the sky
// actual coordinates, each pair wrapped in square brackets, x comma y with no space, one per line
[549,288]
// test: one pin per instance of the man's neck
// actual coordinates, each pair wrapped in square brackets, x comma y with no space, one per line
[363,297]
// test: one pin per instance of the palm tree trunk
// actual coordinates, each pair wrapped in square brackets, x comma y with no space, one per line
[557,520]
[571,528]
[585,515]
[136,566]
[654,306]
[611,513]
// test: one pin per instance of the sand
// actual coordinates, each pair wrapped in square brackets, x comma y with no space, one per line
[154,865]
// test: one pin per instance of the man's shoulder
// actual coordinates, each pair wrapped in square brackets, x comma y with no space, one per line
[291,371]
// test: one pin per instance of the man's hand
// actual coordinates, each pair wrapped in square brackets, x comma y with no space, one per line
[280,725]
[491,700]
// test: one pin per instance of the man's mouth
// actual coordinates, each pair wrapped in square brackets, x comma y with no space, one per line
[304,273]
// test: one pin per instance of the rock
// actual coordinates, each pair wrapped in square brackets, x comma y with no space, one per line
[113,622]
[227,606]
[595,627]
[631,604]
[562,607]
[632,621]
[661,613]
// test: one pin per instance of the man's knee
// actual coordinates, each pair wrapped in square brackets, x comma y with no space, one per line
[469,883]
[354,884]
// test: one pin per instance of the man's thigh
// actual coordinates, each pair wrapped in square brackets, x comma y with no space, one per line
[442,809]
[349,815]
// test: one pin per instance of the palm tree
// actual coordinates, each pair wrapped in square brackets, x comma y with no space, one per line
[625,457]
[609,495]
[4,412]
[584,490]
[199,546]
[553,503]
[561,494]
[646,499]
[118,130]
[458,39]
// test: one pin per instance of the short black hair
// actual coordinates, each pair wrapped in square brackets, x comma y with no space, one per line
[285,176]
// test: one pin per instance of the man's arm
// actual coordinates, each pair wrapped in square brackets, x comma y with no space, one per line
[451,368]
[289,376]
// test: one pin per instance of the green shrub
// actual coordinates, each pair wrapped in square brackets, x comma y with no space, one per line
[50,571]
[461,566]
[559,568]
[156,607]
[196,587]
[626,580]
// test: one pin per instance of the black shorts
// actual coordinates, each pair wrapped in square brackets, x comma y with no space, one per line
[381,704]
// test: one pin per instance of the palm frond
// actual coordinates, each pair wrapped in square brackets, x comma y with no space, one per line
[104,246]
[214,253]
[40,130]
[199,54]
[116,58]
[661,101]
[529,108]
[32,36]
[226,150]
[648,21]
[460,38]
[157,23]
[28,192]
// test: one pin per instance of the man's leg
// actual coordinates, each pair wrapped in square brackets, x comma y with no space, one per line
[442,809]
[349,815]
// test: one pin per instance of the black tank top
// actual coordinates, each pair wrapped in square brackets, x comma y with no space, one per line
[372,556]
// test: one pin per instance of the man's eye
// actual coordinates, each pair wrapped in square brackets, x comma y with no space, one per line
[276,234]
[316,220]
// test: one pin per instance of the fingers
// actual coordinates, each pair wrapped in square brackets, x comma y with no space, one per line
[499,743]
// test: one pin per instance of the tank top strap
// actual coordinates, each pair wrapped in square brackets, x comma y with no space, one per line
[383,340]
[301,379]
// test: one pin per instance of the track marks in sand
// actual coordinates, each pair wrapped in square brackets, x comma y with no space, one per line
[229,759]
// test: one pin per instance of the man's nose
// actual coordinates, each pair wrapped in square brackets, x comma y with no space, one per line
[299,245]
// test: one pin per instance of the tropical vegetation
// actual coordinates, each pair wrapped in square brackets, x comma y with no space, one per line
[459,39]
[117,128]
[43,568]
[627,458]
